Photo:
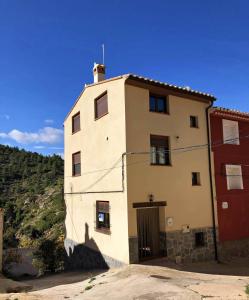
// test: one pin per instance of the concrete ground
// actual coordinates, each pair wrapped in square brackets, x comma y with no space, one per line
[156,279]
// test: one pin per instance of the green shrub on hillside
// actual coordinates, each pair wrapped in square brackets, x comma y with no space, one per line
[49,257]
[31,193]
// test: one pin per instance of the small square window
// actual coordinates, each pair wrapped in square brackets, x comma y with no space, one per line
[158,104]
[196,178]
[199,239]
[159,150]
[193,122]
[103,215]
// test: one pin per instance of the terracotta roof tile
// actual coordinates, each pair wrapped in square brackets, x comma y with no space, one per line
[165,84]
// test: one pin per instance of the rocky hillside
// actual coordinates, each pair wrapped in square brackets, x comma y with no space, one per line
[31,187]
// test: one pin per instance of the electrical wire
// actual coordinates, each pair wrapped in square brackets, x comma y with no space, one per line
[177,150]
[174,150]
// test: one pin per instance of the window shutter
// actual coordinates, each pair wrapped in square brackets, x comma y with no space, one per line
[158,141]
[76,123]
[101,106]
[103,206]
[235,133]
[230,132]
[76,158]
[234,177]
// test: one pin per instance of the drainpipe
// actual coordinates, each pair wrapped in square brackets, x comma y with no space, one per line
[211,183]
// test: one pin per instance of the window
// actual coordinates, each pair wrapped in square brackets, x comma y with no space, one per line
[158,104]
[196,178]
[199,239]
[76,122]
[193,122]
[230,132]
[103,215]
[101,106]
[76,164]
[234,177]
[159,148]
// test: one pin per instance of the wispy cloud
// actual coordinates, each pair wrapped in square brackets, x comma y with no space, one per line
[49,121]
[56,148]
[50,148]
[49,135]
[5,116]
[3,135]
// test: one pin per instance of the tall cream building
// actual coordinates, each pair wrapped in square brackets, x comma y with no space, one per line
[137,176]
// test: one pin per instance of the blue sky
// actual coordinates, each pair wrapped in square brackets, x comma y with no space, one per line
[48,47]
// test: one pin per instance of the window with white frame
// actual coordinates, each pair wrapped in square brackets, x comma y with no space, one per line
[230,132]
[234,177]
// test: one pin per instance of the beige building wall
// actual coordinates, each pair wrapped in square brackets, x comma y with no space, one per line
[101,143]
[127,128]
[186,204]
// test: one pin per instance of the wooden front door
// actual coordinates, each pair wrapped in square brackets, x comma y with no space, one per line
[148,232]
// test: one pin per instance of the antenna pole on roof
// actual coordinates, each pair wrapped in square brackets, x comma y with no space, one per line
[103,53]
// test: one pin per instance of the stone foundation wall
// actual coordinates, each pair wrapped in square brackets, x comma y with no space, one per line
[183,244]
[163,243]
[133,250]
[230,249]
[177,243]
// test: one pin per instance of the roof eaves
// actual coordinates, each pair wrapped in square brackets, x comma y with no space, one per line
[230,111]
[165,84]
[146,80]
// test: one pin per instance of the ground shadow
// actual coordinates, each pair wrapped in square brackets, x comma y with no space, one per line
[84,261]
[233,267]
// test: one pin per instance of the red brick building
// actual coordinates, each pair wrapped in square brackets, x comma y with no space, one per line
[230,146]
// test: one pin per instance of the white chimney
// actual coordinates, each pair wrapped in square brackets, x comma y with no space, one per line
[98,72]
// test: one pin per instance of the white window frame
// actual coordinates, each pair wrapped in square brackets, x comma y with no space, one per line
[236,171]
[230,132]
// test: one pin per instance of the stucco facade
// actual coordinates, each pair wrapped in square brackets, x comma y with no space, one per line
[101,143]
[116,167]
[187,205]
[232,202]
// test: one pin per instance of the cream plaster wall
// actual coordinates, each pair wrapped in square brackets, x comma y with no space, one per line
[127,128]
[101,143]
[186,204]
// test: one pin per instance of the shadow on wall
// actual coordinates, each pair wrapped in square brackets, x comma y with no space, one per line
[86,256]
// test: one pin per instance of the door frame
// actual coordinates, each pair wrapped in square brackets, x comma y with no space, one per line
[144,205]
